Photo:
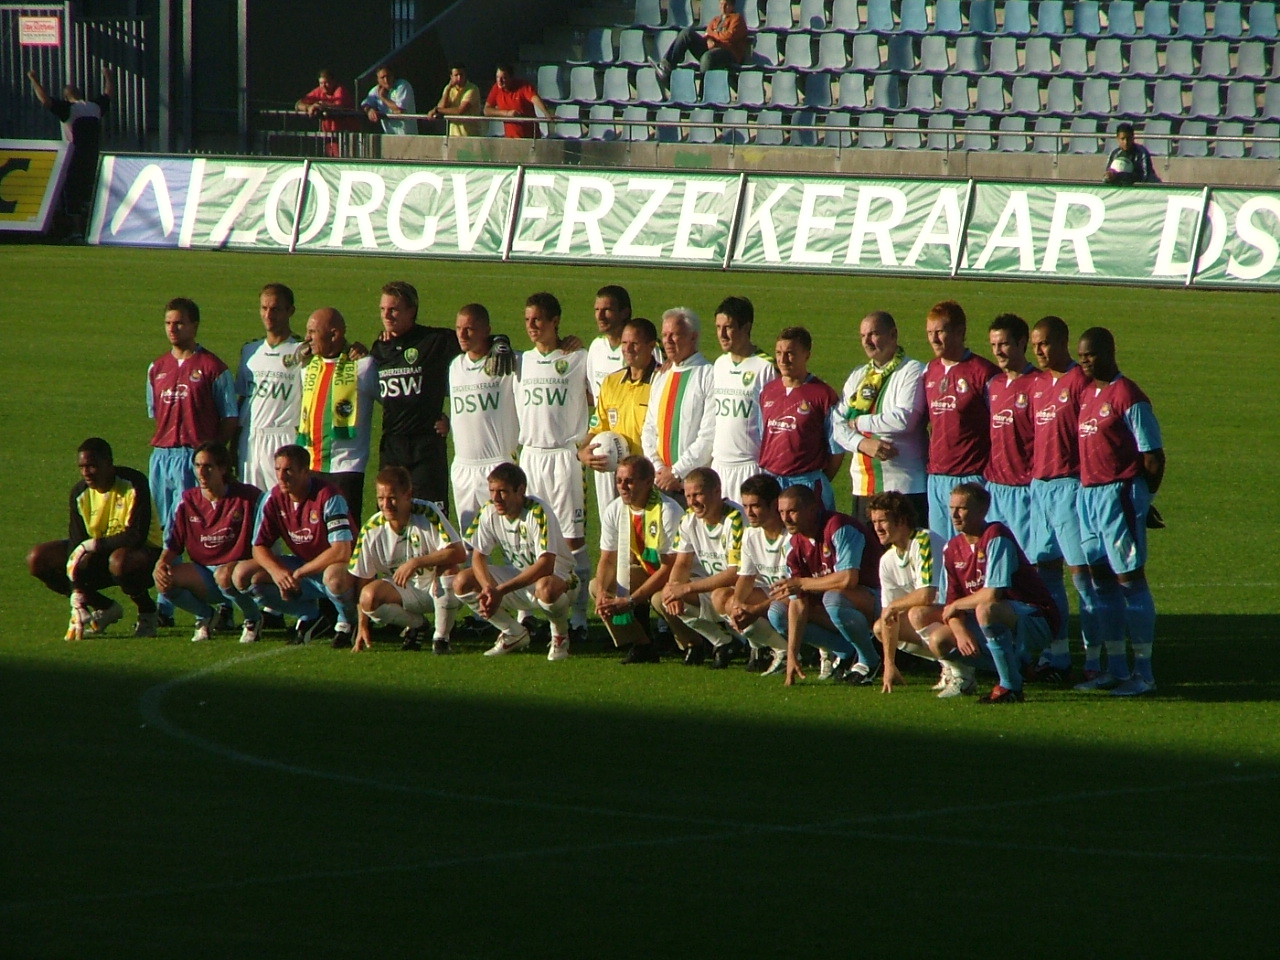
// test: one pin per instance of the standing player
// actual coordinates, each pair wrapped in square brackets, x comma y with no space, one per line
[765,546]
[485,427]
[1008,472]
[708,550]
[680,425]
[1121,466]
[955,389]
[403,563]
[622,400]
[554,407]
[413,379]
[312,517]
[538,574]
[1055,488]
[881,419]
[113,540]
[798,447]
[910,576]
[637,552]
[191,396]
[213,526]
[993,593]
[832,585]
[739,374]
[605,356]
[269,386]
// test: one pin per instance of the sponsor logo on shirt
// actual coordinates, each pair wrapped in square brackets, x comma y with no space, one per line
[1002,419]
[1046,415]
[175,394]
[945,404]
[411,355]
[1088,428]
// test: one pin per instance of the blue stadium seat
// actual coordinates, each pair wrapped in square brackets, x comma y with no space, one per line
[1121,20]
[631,48]
[648,14]
[662,41]
[934,57]
[1155,137]
[1026,95]
[1215,59]
[1262,20]
[837,132]
[982,16]
[1061,97]
[715,88]
[870,138]
[683,86]
[679,13]
[1229,149]
[1038,56]
[833,54]
[1084,144]
[1206,99]
[1191,19]
[1265,151]
[603,125]
[799,136]
[735,129]
[970,55]
[765,51]
[866,53]
[784,91]
[1087,21]
[1227,21]
[1251,61]
[1271,101]
[1095,97]
[977,133]
[955,94]
[1142,58]
[1179,59]
[817,91]
[1013,135]
[1242,100]
[1132,97]
[647,87]
[942,134]
[582,85]
[853,91]
[990,95]
[920,95]
[705,133]
[549,83]
[1108,58]
[1004,56]
[901,57]
[913,17]
[844,16]
[751,88]
[906,132]
[886,92]
[769,132]
[947,18]
[1045,140]
[880,16]
[1073,54]
[813,16]
[597,47]
[617,86]
[799,51]
[777,16]
[1155,19]
[635,124]
[1017,18]
[1050,20]
[1193,148]
[1166,98]
[667,133]
[568,124]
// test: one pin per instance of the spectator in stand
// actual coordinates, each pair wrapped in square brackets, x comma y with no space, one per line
[82,128]
[722,46]
[460,98]
[389,98]
[513,96]
[1130,162]
[334,105]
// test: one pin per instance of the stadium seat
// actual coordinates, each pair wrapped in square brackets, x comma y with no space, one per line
[1121,21]
[1050,20]
[1229,149]
[617,86]
[1108,59]
[934,57]
[869,138]
[970,56]
[751,88]
[813,16]
[568,124]
[1192,148]
[866,53]
[705,133]
[1013,135]
[817,91]
[662,41]
[1017,18]
[1087,21]
[647,88]
[798,54]
[1251,61]
[880,16]
[901,57]
[635,124]
[1215,59]
[1026,95]
[1179,59]
[1142,58]
[1227,22]
[1046,140]
[913,17]
[769,132]
[680,13]
[1191,20]
[1061,97]
[1155,137]
[666,132]
[990,95]
[715,88]
[920,95]
[765,52]
[631,48]
[603,123]
[777,16]
[982,16]
[833,54]
[582,85]
[977,133]
[597,47]
[1084,144]
[1271,101]
[1262,20]
[941,132]
[1037,55]
[784,91]
[844,16]
[1132,97]
[837,132]
[1166,98]
[947,18]
[1155,19]
[683,87]
[955,94]
[648,14]
[886,92]
[549,84]
[1260,150]
[736,129]
[853,91]
[1095,97]
[1004,56]
[906,132]
[1242,100]
[1206,99]
[801,137]
[1073,54]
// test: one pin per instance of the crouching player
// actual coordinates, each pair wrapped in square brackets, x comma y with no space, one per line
[832,587]
[113,540]
[765,545]
[213,526]
[910,574]
[403,563]
[538,575]
[993,593]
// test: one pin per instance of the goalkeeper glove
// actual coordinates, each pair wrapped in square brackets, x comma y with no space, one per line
[502,359]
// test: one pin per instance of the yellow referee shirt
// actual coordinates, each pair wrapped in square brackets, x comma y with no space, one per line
[623,403]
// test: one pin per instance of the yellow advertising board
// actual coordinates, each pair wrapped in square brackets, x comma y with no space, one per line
[31,173]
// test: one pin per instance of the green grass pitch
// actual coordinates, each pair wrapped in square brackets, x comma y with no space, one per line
[167,800]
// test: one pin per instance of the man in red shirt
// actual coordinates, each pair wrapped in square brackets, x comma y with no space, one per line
[513,96]
[722,46]
[329,101]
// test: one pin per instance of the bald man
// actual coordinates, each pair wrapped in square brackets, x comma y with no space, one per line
[338,395]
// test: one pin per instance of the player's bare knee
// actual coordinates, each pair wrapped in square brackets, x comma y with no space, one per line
[119,565]
[336,578]
[222,576]
[465,582]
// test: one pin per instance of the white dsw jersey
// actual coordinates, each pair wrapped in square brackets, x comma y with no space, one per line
[269,383]
[905,573]
[764,559]
[602,360]
[482,412]
[380,551]
[553,399]
[714,548]
[736,390]
[524,538]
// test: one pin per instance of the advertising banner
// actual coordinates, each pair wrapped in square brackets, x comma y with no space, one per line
[31,174]
[1240,239]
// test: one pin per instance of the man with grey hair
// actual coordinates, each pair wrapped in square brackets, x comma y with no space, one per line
[680,424]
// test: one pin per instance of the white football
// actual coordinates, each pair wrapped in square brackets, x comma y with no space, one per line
[611,446]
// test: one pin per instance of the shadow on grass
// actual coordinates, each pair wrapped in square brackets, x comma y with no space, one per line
[484,814]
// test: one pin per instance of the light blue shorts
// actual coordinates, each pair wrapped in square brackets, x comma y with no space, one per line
[171,474]
[940,487]
[816,481]
[1113,520]
[1012,506]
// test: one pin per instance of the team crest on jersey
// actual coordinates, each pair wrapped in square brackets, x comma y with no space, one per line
[411,355]
[1104,410]
[343,408]
[196,376]
[1021,402]
[982,556]
[237,515]
[314,517]
[804,407]
[962,386]
[562,367]
[748,377]
[1064,396]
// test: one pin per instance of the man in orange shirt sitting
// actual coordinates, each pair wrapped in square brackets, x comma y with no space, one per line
[722,46]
